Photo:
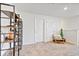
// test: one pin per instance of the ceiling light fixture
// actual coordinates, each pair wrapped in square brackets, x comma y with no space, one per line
[65,8]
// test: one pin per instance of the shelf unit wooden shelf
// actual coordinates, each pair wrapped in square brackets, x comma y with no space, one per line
[7,26]
[15,26]
[7,41]
[10,49]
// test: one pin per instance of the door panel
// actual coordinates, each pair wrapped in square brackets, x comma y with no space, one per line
[38,29]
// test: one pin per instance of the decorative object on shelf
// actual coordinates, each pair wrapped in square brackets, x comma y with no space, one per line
[10,36]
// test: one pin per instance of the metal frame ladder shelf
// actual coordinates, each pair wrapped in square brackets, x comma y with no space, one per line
[13,37]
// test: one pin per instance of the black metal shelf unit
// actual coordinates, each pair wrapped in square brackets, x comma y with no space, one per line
[14,29]
[19,31]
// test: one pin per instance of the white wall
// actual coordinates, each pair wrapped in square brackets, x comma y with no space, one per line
[28,28]
[71,28]
[71,23]
[52,25]
[37,28]
[71,36]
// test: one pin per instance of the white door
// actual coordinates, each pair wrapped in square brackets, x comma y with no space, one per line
[78,37]
[38,29]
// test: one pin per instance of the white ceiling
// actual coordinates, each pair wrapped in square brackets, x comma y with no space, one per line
[50,9]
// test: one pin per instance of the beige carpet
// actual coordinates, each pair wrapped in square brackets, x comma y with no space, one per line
[50,49]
